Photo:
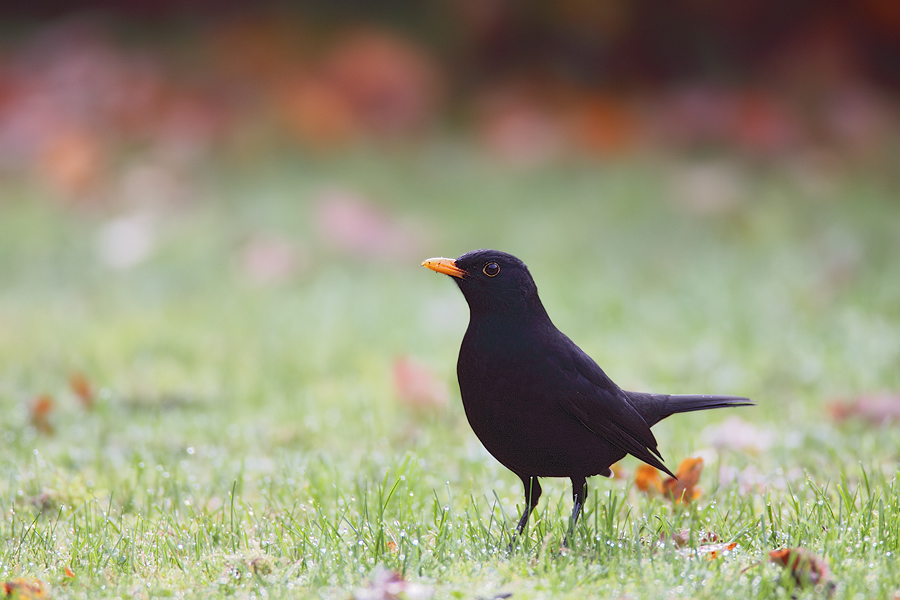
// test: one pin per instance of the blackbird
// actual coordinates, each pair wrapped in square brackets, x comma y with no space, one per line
[538,403]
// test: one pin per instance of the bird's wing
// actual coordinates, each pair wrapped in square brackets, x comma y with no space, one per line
[601,406]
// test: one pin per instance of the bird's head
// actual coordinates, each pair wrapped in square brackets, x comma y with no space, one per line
[490,280]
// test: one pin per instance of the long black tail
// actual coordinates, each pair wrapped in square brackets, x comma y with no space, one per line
[656,407]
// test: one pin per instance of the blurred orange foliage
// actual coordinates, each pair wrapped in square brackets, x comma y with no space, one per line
[41,407]
[681,488]
[79,384]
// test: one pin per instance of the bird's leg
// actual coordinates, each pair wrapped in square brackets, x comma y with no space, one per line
[532,495]
[579,493]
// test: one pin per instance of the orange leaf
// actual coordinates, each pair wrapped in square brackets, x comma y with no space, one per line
[648,480]
[25,588]
[40,413]
[682,488]
[806,568]
[79,384]
[69,572]
[712,550]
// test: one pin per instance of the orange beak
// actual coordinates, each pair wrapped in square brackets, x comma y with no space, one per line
[447,266]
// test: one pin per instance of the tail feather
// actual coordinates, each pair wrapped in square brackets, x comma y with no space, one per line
[656,407]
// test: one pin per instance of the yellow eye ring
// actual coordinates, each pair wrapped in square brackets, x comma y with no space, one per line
[491,269]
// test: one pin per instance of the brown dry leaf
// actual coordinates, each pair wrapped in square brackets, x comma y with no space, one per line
[648,480]
[25,588]
[682,488]
[417,387]
[806,568]
[40,409]
[79,384]
[876,409]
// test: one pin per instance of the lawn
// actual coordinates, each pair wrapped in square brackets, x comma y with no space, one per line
[245,434]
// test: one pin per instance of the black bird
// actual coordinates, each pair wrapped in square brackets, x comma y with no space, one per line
[537,402]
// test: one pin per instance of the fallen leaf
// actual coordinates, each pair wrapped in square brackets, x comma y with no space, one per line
[46,501]
[390,585]
[806,568]
[79,384]
[25,588]
[876,409]
[262,566]
[648,480]
[41,408]
[417,387]
[69,572]
[712,551]
[683,538]
[682,487]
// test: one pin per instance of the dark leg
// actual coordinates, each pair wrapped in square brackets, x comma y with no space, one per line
[579,494]
[532,495]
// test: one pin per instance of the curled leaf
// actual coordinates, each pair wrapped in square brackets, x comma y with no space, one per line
[682,488]
[648,480]
[806,568]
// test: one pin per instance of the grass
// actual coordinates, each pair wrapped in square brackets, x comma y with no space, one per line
[247,441]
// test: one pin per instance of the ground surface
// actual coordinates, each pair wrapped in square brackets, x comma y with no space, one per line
[251,439]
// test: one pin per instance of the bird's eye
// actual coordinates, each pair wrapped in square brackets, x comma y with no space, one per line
[492,269]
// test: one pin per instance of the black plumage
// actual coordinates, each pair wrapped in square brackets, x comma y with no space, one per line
[537,402]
